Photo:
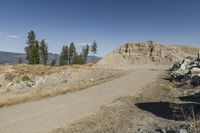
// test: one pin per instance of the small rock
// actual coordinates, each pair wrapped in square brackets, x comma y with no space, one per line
[10,84]
[195,80]
[91,80]
[30,83]
[195,71]
[170,130]
[183,131]
[159,130]
[140,130]
[64,81]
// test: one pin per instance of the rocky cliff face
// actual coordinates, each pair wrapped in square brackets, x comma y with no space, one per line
[149,52]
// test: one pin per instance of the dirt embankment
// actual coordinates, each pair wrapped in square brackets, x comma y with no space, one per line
[22,83]
[149,52]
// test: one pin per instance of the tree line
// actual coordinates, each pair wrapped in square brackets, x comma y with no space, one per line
[37,52]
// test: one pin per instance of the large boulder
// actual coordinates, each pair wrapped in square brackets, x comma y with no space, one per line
[185,64]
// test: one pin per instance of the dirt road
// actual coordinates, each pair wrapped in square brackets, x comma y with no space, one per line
[45,115]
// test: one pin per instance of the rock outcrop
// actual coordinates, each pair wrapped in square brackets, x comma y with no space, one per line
[149,52]
[187,71]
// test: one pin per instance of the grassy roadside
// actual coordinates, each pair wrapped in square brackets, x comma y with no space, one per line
[44,93]
[124,116]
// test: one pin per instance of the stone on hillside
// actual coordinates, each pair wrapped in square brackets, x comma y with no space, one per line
[183,131]
[91,80]
[179,74]
[198,58]
[195,80]
[185,64]
[186,78]
[195,71]
[176,66]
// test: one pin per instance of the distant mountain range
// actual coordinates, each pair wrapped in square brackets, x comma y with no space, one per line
[12,58]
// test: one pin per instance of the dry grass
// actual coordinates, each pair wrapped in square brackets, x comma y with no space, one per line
[40,94]
[45,70]
[109,119]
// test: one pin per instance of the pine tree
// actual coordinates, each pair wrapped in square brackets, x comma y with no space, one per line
[53,63]
[64,56]
[43,52]
[85,52]
[32,50]
[94,48]
[78,59]
[72,51]
[31,42]
[61,60]
[36,53]
[20,60]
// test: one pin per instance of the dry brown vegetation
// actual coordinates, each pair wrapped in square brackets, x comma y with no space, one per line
[37,69]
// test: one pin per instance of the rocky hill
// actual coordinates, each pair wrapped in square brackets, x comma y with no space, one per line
[149,52]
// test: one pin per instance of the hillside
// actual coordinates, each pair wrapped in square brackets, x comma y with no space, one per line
[12,58]
[149,52]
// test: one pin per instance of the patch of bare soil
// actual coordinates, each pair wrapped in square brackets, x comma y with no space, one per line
[159,108]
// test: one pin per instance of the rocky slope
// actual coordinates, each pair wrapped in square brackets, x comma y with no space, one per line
[149,52]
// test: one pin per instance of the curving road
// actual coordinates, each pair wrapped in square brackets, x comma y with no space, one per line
[45,115]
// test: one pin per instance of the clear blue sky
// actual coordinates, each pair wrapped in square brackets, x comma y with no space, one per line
[109,22]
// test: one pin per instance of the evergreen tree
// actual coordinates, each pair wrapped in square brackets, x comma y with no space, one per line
[78,59]
[36,53]
[32,50]
[53,63]
[43,52]
[72,51]
[85,52]
[31,42]
[64,56]
[61,60]
[20,60]
[94,48]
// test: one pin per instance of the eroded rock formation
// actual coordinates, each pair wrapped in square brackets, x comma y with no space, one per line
[149,52]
